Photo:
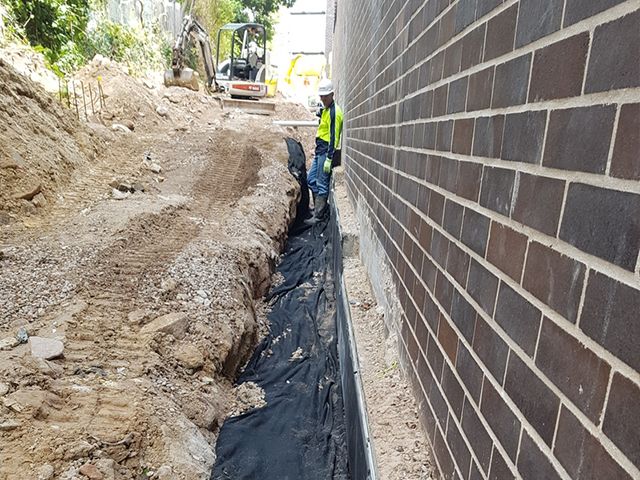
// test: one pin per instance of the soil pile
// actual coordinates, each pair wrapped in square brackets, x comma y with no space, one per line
[41,143]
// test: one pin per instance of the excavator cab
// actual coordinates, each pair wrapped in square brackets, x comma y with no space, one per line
[242,60]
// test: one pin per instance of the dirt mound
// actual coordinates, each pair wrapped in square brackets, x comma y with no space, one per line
[41,143]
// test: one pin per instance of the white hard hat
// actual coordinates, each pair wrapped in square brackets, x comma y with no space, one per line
[325,87]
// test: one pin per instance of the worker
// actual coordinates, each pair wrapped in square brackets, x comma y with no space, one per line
[327,144]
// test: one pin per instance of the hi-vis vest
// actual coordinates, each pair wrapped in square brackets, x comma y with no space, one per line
[329,131]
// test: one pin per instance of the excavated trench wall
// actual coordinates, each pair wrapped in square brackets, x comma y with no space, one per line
[491,151]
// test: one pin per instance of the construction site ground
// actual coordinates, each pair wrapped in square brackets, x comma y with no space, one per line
[135,248]
[136,244]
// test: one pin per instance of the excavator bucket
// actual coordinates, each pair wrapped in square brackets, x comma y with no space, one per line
[186,78]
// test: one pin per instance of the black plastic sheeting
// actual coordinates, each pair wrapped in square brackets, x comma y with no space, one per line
[303,432]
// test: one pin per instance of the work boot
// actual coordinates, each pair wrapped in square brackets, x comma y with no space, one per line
[318,211]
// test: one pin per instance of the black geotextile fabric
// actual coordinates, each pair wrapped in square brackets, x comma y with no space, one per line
[300,434]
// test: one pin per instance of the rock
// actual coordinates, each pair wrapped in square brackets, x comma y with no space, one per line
[124,187]
[138,187]
[129,124]
[78,449]
[118,195]
[8,343]
[28,208]
[138,316]
[202,294]
[107,467]
[118,127]
[46,348]
[4,389]
[91,471]
[173,323]
[190,357]
[165,473]
[162,111]
[28,195]
[23,335]
[168,285]
[5,218]
[8,425]
[39,200]
[155,168]
[45,472]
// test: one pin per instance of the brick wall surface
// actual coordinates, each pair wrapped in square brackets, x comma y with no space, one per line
[494,147]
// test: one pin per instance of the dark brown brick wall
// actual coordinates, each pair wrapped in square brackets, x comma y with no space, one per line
[494,149]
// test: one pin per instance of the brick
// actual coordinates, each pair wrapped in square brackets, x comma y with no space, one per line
[475,231]
[452,59]
[463,136]
[443,456]
[579,138]
[501,419]
[538,202]
[475,469]
[610,317]
[537,19]
[507,249]
[482,285]
[577,10]
[511,82]
[430,309]
[604,223]
[470,372]
[444,136]
[452,221]
[437,65]
[613,68]
[532,463]
[487,137]
[524,136]
[578,372]
[458,264]
[491,349]
[480,89]
[436,207]
[477,435]
[622,418]
[499,468]
[581,454]
[459,448]
[429,139]
[448,338]
[537,402]
[555,279]
[472,46]
[440,100]
[625,163]
[468,184]
[453,391]
[558,69]
[501,31]
[447,26]
[518,318]
[497,189]
[435,358]
[465,14]
[444,291]
[457,95]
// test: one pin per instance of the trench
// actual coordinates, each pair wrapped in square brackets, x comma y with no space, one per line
[313,425]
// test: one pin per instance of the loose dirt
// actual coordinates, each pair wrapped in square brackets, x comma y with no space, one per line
[151,277]
[400,445]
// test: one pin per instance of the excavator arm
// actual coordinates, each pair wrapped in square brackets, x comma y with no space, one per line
[182,76]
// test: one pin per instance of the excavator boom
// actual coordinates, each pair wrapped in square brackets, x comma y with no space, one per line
[182,76]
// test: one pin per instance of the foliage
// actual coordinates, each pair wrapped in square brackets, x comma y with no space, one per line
[56,27]
[264,11]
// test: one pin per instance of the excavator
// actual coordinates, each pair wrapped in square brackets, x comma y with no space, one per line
[242,75]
